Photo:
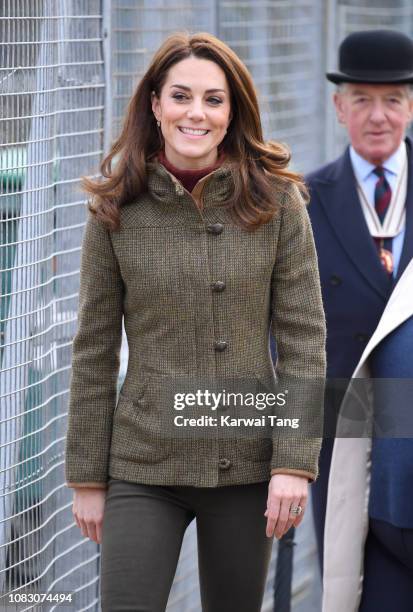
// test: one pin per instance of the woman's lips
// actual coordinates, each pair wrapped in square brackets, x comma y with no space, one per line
[193,132]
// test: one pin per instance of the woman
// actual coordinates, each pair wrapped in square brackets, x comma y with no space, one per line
[200,239]
[368,548]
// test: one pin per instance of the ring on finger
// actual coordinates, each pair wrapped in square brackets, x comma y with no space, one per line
[296,510]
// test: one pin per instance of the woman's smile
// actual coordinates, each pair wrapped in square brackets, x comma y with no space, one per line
[193,132]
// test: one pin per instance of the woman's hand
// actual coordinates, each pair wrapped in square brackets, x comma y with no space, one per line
[284,491]
[88,507]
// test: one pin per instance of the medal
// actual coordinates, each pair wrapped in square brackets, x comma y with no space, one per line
[386,258]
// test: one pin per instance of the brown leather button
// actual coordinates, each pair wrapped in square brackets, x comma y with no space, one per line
[218,286]
[220,346]
[224,464]
[215,228]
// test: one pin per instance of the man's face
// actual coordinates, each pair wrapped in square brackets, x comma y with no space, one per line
[376,117]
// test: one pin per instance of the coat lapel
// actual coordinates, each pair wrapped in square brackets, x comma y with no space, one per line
[407,251]
[340,201]
[398,309]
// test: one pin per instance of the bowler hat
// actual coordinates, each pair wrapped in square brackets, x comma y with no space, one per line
[375,56]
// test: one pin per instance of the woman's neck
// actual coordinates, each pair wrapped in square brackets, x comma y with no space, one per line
[189,178]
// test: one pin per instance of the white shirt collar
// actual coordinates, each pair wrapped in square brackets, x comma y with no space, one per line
[394,164]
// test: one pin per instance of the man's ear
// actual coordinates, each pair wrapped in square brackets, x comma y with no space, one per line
[156,106]
[339,106]
[410,108]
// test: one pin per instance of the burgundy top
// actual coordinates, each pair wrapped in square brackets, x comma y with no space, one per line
[189,178]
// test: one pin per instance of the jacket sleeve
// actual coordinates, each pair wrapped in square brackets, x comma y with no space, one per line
[95,360]
[298,326]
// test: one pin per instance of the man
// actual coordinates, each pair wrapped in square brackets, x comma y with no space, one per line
[361,210]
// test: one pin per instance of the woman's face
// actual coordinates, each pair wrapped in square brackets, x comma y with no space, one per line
[194,110]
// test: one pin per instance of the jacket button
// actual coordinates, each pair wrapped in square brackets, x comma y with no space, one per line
[215,228]
[220,346]
[224,464]
[218,286]
[361,337]
[335,280]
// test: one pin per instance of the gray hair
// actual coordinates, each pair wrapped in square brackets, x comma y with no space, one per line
[341,87]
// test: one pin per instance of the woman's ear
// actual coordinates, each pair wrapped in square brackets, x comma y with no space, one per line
[156,106]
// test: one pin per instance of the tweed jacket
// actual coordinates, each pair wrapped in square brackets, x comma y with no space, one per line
[198,296]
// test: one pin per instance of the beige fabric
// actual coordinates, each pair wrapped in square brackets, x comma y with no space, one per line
[157,273]
[348,490]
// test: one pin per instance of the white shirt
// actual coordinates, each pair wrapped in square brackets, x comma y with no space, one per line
[364,174]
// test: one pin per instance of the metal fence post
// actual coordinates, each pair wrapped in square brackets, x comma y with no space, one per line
[107,67]
[284,573]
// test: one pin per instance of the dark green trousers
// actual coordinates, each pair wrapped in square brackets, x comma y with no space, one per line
[143,528]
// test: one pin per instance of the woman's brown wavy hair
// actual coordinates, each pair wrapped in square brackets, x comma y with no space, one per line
[254,162]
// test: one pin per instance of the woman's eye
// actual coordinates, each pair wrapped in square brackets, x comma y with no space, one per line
[179,96]
[215,101]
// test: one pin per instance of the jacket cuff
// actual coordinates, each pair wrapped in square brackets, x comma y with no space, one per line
[311,477]
[86,485]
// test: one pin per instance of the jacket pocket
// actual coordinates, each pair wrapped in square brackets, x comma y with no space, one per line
[138,432]
[256,443]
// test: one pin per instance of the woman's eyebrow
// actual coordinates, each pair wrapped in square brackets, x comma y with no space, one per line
[189,89]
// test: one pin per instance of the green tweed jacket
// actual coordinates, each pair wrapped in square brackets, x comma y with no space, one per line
[198,296]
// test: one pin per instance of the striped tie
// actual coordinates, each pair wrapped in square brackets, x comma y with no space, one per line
[382,193]
[382,197]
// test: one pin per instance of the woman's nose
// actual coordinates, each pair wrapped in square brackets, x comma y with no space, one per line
[196,111]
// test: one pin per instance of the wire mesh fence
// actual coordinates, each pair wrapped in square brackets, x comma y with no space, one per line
[280,44]
[51,110]
[67,70]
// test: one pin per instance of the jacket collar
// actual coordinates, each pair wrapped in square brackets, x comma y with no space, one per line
[212,189]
